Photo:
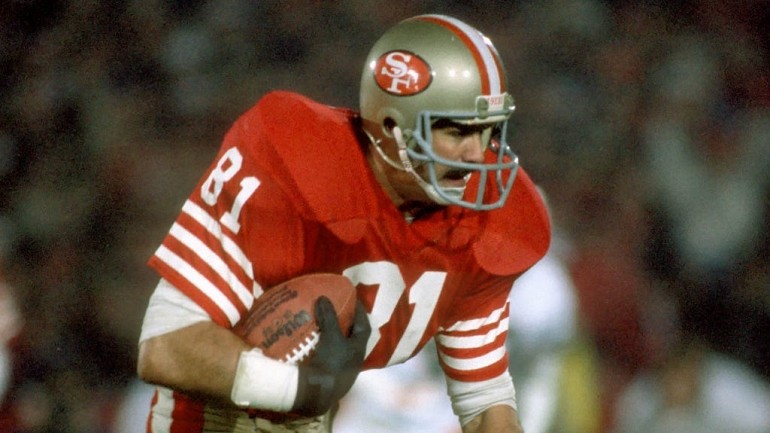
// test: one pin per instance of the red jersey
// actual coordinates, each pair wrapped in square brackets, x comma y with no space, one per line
[291,193]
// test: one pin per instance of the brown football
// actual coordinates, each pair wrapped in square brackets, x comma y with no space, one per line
[282,322]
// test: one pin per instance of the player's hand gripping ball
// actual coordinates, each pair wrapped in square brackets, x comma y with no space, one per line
[282,321]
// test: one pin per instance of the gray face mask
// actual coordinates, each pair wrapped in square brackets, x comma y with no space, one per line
[449,195]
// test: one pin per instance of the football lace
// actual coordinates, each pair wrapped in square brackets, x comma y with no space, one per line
[305,347]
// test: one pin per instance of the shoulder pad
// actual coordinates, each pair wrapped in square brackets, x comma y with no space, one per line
[318,161]
[516,236]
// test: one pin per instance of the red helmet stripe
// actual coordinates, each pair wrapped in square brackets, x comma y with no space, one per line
[486,58]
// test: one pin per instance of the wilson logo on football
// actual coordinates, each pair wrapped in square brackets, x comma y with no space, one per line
[402,73]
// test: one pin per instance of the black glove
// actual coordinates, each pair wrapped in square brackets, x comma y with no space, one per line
[331,371]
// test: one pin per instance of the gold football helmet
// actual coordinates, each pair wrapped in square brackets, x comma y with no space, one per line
[433,67]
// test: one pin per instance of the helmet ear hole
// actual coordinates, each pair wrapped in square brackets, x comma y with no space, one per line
[387,126]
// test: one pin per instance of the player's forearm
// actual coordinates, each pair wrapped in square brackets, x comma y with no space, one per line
[496,419]
[199,360]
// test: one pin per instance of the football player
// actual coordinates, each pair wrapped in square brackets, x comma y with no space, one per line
[417,198]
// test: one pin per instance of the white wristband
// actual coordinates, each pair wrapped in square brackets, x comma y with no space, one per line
[264,383]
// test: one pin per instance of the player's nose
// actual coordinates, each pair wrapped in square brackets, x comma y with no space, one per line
[473,148]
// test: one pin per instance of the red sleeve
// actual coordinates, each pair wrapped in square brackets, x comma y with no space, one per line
[471,344]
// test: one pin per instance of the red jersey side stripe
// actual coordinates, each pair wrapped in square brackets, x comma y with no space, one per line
[153,402]
[187,415]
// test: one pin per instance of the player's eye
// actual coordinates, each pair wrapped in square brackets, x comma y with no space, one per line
[455,132]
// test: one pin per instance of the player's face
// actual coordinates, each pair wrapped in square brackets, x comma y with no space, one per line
[456,142]
[450,140]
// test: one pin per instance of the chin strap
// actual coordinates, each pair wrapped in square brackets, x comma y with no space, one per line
[386,158]
[407,166]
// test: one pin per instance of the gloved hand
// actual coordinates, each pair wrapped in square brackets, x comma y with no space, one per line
[335,364]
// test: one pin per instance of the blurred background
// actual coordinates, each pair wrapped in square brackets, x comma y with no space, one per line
[646,124]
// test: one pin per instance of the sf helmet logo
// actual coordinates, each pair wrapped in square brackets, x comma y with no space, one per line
[402,73]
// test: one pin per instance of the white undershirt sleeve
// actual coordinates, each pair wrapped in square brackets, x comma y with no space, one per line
[169,310]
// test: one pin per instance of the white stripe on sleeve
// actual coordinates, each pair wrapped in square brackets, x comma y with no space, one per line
[201,282]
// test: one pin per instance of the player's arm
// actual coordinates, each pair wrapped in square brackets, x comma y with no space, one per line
[199,360]
[181,349]
[497,419]
[473,356]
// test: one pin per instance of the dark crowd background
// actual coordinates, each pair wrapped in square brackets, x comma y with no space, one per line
[646,123]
